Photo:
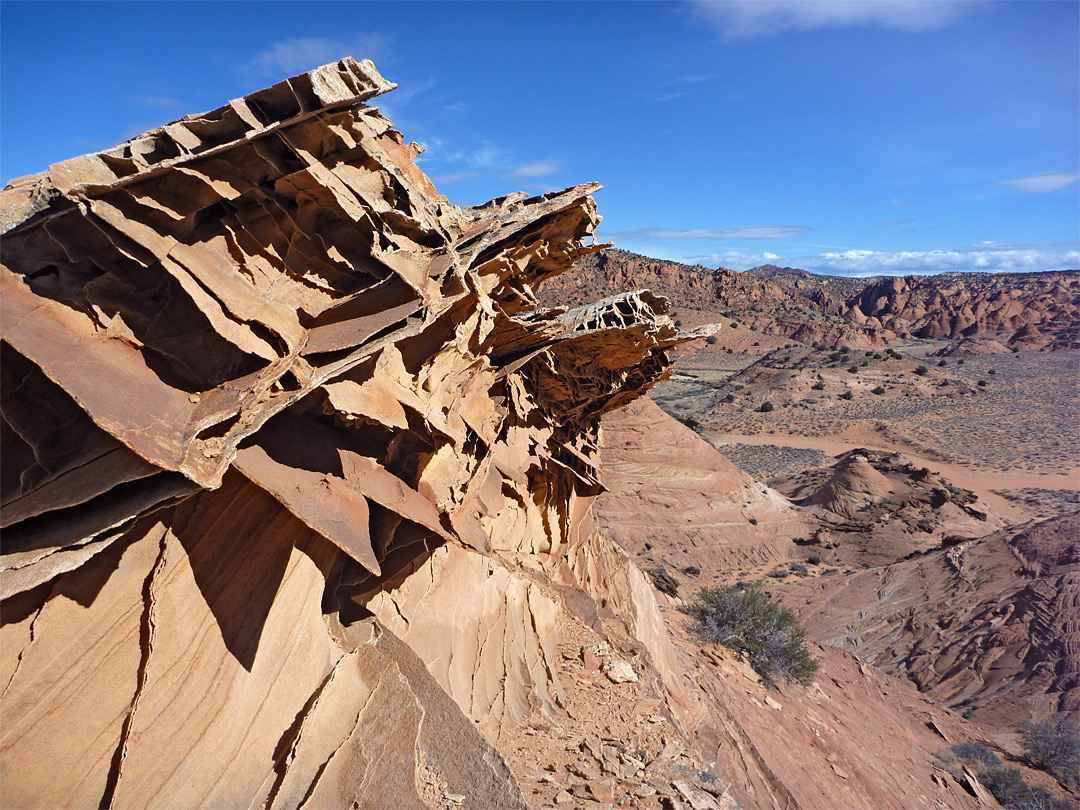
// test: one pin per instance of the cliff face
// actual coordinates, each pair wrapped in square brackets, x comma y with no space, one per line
[954,305]
[272,407]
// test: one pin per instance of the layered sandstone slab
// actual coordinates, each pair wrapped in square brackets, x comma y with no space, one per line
[260,379]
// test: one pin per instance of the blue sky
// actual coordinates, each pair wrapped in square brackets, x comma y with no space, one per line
[842,137]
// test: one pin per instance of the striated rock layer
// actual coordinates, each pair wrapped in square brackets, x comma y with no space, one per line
[272,407]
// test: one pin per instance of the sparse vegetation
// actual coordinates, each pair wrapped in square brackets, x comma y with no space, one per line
[818,386]
[800,570]
[745,619]
[814,559]
[943,363]
[982,383]
[711,340]
[853,369]
[766,407]
[879,390]
[922,371]
[847,395]
[1054,746]
[1005,783]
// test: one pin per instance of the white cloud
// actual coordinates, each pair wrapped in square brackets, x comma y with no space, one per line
[538,169]
[741,19]
[748,232]
[987,258]
[1042,183]
[454,177]
[293,56]
[487,155]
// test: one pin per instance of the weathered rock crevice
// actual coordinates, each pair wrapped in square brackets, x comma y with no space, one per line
[271,407]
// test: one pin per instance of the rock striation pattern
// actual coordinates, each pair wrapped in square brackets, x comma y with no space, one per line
[266,395]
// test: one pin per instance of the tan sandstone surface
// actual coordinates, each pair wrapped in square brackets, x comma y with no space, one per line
[299,495]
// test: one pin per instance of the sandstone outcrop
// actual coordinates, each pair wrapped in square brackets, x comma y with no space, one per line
[673,500]
[277,422]
[876,507]
[965,304]
[986,625]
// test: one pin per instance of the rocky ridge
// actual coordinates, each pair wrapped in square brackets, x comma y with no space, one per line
[269,402]
[298,501]
[836,310]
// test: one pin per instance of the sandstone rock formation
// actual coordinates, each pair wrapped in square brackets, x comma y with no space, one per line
[271,406]
[673,500]
[787,310]
[964,304]
[876,507]
[985,625]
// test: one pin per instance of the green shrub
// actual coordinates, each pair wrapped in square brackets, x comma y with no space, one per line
[814,559]
[847,395]
[678,323]
[818,386]
[746,620]
[879,390]
[922,371]
[800,570]
[766,407]
[991,371]
[972,753]
[711,340]
[942,363]
[982,383]
[960,362]
[1054,745]
[1006,784]
[753,327]
[853,369]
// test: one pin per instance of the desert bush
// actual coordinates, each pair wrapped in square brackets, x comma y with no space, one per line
[753,327]
[1013,793]
[778,573]
[879,390]
[868,354]
[991,371]
[847,395]
[1054,745]
[818,386]
[757,343]
[1006,784]
[942,363]
[746,620]
[831,571]
[960,362]
[678,323]
[766,407]
[971,753]
[711,340]
[692,571]
[814,559]
[982,383]
[853,369]
[800,570]
[922,371]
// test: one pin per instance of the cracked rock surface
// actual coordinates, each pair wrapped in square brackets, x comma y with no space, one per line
[297,475]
